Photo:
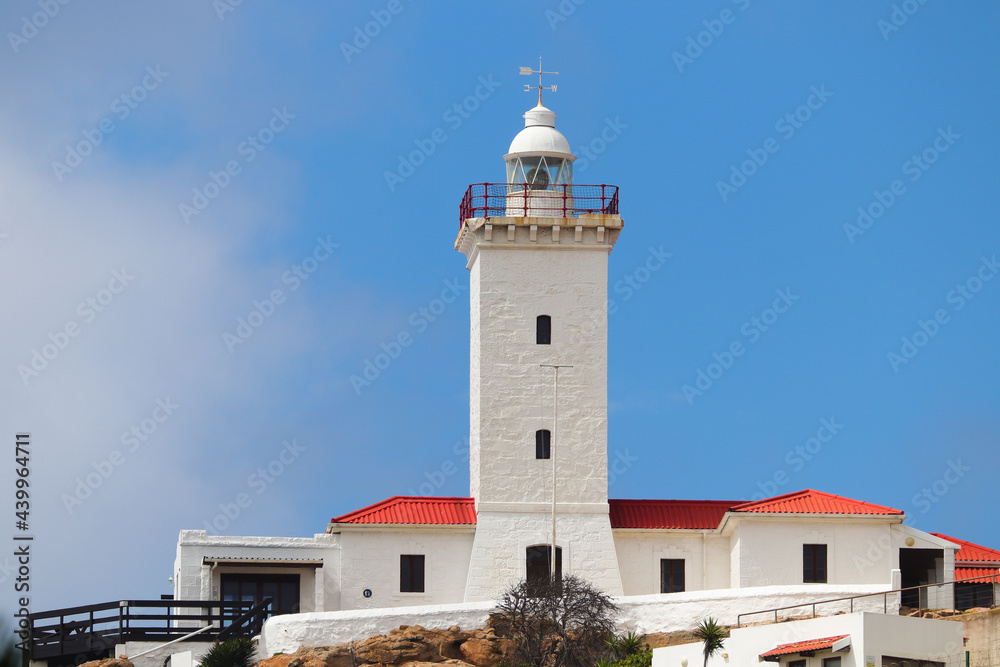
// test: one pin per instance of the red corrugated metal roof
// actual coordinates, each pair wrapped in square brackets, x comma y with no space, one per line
[970,552]
[416,510]
[642,514]
[978,575]
[810,501]
[803,647]
[693,514]
[971,561]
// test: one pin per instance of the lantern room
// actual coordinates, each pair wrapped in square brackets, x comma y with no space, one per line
[539,157]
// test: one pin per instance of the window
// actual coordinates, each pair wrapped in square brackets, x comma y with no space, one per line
[283,589]
[797,663]
[972,595]
[831,662]
[411,573]
[671,575]
[889,661]
[543,444]
[543,330]
[814,563]
[538,566]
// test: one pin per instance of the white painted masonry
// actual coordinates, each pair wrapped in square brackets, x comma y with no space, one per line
[870,637]
[520,268]
[642,614]
[515,277]
[371,561]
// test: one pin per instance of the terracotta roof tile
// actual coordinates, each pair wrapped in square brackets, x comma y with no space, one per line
[634,514]
[803,647]
[973,561]
[415,510]
[810,501]
[693,514]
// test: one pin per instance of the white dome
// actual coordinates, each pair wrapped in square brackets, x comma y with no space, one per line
[539,136]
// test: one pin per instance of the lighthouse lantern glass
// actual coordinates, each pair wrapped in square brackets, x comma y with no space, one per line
[539,172]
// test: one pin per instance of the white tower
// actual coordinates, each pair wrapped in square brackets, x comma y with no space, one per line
[537,249]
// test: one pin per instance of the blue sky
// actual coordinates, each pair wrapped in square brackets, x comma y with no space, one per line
[184,165]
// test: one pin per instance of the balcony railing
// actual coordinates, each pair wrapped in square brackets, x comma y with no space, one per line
[93,630]
[487,200]
[989,580]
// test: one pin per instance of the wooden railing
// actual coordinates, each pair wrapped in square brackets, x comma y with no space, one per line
[94,630]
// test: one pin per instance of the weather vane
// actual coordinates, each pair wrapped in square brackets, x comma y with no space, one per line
[527,71]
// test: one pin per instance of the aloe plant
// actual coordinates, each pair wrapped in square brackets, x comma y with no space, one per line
[236,652]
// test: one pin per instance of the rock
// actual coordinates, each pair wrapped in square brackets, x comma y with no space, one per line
[397,650]
[449,663]
[481,652]
[317,656]
[409,646]
[123,661]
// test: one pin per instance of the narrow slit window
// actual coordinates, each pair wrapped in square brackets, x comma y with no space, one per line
[543,444]
[543,330]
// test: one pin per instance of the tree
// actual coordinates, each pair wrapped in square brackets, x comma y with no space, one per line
[557,622]
[711,634]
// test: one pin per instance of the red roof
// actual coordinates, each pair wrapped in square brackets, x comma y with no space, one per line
[977,575]
[810,501]
[803,647]
[417,510]
[976,560]
[642,514]
[693,514]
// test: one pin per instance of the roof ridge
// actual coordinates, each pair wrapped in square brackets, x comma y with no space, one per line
[401,503]
[812,493]
[971,546]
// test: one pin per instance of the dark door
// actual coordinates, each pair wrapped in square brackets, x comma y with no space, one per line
[283,589]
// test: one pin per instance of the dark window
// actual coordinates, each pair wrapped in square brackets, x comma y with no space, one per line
[543,330]
[543,444]
[972,595]
[831,662]
[889,661]
[814,563]
[411,574]
[538,564]
[797,663]
[283,589]
[672,575]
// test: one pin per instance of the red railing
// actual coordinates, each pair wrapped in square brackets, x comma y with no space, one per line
[487,200]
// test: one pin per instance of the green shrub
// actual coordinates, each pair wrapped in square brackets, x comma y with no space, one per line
[642,658]
[236,652]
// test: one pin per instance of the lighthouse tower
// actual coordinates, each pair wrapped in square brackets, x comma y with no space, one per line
[537,248]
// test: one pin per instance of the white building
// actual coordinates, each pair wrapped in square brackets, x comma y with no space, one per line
[537,250]
[849,640]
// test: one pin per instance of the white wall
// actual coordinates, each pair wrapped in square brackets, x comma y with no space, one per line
[640,552]
[285,634]
[498,558]
[371,560]
[871,635]
[511,283]
[683,611]
[644,614]
[770,549]
[194,580]
[158,657]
